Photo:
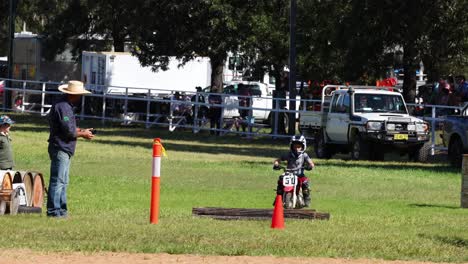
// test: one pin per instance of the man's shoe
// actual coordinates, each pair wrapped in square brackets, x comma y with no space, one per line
[63,217]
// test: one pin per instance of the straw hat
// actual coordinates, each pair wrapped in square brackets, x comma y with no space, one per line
[73,87]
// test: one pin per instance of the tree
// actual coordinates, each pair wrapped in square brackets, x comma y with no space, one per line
[187,29]
[81,25]
[4,37]
[268,41]
[446,47]
[318,55]
[349,40]
[266,47]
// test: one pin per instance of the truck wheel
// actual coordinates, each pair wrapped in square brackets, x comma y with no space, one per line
[376,153]
[455,152]
[360,149]
[322,151]
[421,153]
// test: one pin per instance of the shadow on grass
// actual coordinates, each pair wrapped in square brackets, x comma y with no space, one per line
[164,134]
[211,149]
[433,206]
[186,141]
[452,241]
[392,165]
[182,140]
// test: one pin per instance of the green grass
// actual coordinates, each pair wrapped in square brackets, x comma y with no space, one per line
[386,210]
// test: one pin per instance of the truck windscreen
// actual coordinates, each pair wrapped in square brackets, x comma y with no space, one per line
[384,103]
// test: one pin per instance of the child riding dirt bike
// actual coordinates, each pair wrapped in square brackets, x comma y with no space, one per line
[297,160]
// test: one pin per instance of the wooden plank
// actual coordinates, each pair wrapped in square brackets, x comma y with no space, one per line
[255,214]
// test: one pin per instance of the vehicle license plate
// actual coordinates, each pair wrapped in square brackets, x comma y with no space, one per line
[400,137]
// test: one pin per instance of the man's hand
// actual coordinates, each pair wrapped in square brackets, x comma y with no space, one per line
[308,168]
[85,133]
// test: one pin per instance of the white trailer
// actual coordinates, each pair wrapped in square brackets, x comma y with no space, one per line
[121,73]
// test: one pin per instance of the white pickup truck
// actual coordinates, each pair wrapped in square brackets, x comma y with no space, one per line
[366,121]
[261,100]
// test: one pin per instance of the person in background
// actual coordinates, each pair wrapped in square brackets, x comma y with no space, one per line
[202,110]
[6,150]
[215,111]
[448,97]
[244,101]
[62,143]
[462,88]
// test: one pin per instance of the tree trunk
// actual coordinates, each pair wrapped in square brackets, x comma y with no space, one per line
[409,68]
[217,66]
[431,69]
[118,42]
[279,93]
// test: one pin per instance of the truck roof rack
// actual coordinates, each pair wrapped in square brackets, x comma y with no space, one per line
[329,89]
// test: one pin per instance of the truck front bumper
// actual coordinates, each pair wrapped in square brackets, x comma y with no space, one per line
[397,139]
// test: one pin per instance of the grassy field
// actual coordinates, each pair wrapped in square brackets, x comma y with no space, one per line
[386,210]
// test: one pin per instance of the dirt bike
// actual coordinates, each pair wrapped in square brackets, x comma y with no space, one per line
[291,199]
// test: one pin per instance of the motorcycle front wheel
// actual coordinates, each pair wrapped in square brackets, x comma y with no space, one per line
[288,200]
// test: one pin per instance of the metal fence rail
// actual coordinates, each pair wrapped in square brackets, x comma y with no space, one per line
[161,108]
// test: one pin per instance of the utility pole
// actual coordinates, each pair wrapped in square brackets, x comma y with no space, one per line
[292,67]
[11,32]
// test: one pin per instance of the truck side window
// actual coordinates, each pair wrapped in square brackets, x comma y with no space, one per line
[334,103]
[346,104]
[340,105]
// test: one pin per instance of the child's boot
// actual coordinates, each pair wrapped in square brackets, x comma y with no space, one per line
[306,195]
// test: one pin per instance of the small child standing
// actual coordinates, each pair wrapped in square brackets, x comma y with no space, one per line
[297,159]
[6,152]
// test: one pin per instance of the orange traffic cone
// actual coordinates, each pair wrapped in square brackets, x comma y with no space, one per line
[278,214]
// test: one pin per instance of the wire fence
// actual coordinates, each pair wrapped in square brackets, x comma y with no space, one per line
[187,110]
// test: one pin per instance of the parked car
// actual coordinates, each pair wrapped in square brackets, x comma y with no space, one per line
[455,136]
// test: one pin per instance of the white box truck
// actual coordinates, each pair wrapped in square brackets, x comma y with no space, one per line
[118,73]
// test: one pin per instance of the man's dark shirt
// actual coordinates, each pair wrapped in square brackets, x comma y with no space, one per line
[62,125]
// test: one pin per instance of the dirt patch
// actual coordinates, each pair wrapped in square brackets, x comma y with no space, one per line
[28,256]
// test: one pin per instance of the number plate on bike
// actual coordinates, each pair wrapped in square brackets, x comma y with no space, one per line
[289,180]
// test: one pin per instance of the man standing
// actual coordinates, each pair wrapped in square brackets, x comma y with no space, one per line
[62,143]
[245,96]
[215,112]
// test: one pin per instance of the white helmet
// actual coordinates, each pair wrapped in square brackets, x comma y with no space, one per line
[298,139]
